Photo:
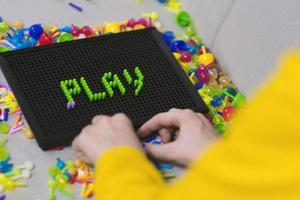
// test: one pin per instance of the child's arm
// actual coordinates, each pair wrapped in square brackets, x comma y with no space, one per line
[258,160]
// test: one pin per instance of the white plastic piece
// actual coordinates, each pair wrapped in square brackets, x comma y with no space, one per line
[158,24]
[27,165]
[3,91]
[26,174]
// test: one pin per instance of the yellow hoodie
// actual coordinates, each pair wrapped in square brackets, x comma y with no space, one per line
[260,159]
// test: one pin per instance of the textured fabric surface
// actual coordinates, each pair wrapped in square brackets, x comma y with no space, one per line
[209,15]
[253,36]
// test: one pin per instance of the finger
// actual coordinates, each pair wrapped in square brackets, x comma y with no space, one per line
[97,118]
[75,145]
[160,121]
[78,141]
[165,135]
[174,110]
[82,156]
[122,118]
[76,149]
[203,118]
[160,152]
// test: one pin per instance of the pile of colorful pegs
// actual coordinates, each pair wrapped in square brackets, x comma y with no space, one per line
[66,173]
[12,176]
[10,107]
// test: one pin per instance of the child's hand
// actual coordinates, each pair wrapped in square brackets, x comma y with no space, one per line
[193,134]
[103,134]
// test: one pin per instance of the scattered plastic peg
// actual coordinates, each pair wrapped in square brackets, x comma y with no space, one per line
[239,100]
[14,172]
[217,100]
[3,91]
[138,1]
[219,123]
[76,7]
[169,37]
[190,31]
[112,27]
[206,58]
[4,27]
[45,39]
[4,49]
[186,57]
[27,165]
[4,127]
[15,129]
[36,31]
[64,37]
[154,16]
[143,22]
[203,77]
[162,1]
[87,31]
[89,191]
[173,6]
[227,113]
[28,133]
[6,113]
[183,19]
[213,73]
[83,189]
[165,166]
[67,191]
[26,174]
[178,45]
[75,31]
[225,81]
[9,184]
[168,175]
[60,164]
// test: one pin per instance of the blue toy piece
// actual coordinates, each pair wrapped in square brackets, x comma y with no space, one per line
[192,49]
[66,29]
[162,1]
[168,37]
[35,31]
[150,138]
[217,100]
[165,166]
[78,8]
[178,45]
[198,85]
[156,142]
[5,166]
[231,91]
[6,113]
[60,164]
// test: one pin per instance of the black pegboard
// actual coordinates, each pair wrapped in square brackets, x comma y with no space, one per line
[34,75]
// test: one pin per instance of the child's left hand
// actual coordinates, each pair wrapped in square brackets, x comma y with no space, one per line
[103,134]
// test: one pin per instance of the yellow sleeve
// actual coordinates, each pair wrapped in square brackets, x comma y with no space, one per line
[258,160]
[125,173]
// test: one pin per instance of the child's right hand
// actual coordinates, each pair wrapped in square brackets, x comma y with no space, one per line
[193,134]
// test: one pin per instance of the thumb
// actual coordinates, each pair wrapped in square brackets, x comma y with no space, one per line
[161,152]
